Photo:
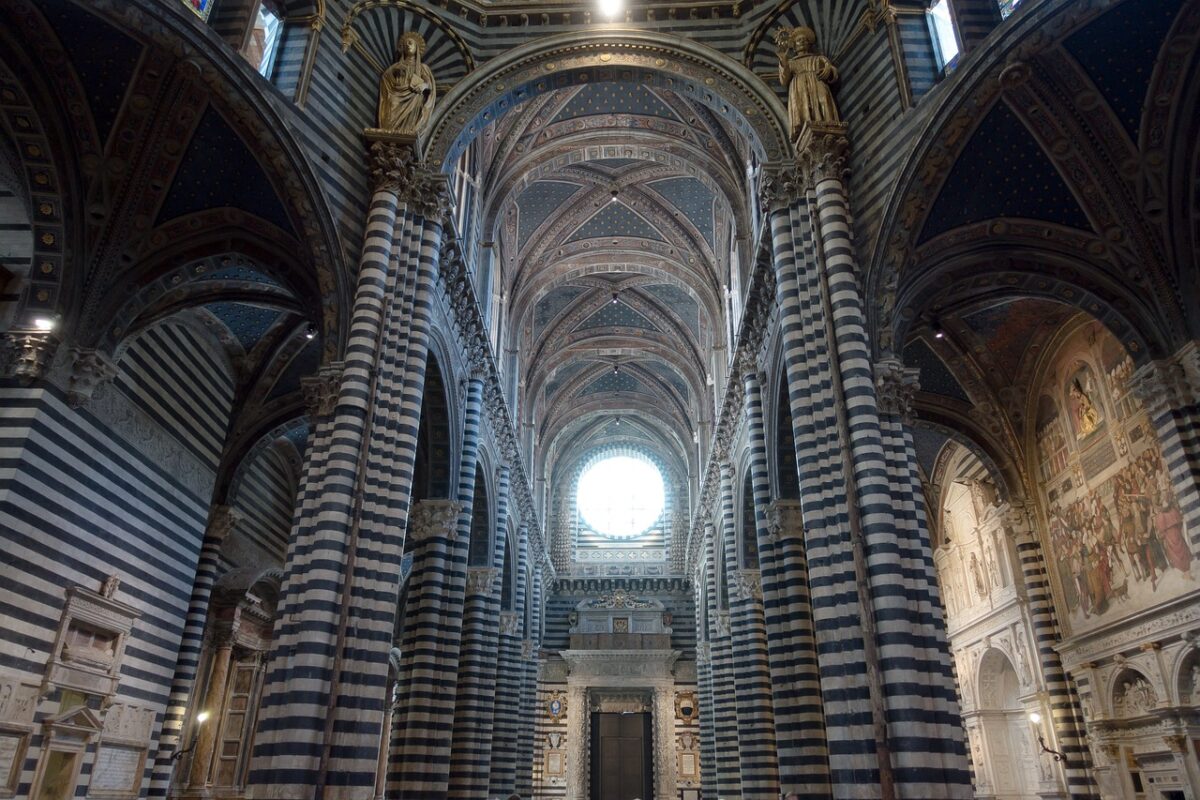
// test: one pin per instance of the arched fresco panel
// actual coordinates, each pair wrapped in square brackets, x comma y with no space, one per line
[1117,539]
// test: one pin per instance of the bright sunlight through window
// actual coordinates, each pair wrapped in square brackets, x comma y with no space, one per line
[943,32]
[620,497]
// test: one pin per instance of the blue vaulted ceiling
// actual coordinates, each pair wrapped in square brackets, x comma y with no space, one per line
[616,219]
[694,201]
[539,201]
[246,322]
[1003,172]
[613,98]
[616,315]
[219,170]
[103,57]
[1119,50]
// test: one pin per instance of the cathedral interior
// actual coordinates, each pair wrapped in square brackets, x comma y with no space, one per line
[617,400]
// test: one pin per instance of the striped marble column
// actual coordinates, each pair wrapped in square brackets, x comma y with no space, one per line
[795,674]
[471,752]
[858,764]
[725,722]
[420,761]
[704,669]
[918,684]
[926,650]
[321,717]
[795,686]
[221,522]
[1068,733]
[530,648]
[755,705]
[508,694]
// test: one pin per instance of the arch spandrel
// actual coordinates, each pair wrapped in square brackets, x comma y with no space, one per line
[660,60]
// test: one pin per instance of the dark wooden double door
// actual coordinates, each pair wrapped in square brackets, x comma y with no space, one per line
[622,757]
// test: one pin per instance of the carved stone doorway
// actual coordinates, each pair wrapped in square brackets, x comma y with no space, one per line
[634,682]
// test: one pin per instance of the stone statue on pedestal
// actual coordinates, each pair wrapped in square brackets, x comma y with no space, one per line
[808,77]
[407,90]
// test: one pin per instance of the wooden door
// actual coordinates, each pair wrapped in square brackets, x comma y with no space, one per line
[621,757]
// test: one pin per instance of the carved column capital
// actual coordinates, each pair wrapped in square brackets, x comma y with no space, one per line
[783,187]
[703,652]
[510,623]
[721,623]
[785,519]
[528,649]
[91,370]
[895,386]
[396,166]
[481,580]
[746,584]
[221,522]
[26,354]
[321,390]
[823,153]
[431,518]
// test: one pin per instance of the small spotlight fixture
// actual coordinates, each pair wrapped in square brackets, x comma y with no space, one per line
[310,331]
[616,369]
[614,194]
[45,323]
[938,331]
[610,8]
[614,298]
[617,421]
[202,718]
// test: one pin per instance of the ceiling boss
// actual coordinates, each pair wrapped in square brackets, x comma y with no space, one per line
[407,90]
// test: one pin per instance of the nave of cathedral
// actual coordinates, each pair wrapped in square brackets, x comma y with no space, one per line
[708,400]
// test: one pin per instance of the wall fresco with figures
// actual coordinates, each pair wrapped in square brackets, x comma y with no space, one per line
[1117,538]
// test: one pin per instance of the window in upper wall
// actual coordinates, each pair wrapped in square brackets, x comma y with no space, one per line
[941,26]
[263,44]
[1007,7]
[201,7]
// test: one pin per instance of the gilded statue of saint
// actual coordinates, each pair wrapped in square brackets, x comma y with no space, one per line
[407,90]
[808,77]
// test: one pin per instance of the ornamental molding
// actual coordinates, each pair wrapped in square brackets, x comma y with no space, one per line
[783,187]
[221,522]
[510,623]
[598,667]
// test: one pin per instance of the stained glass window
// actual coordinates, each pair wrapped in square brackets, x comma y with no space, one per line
[201,7]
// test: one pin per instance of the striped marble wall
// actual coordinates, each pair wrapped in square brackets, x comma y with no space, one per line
[120,487]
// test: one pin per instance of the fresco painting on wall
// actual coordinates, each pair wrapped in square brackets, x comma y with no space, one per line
[1117,538]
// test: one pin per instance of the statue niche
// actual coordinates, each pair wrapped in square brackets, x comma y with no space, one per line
[407,90]
[808,77]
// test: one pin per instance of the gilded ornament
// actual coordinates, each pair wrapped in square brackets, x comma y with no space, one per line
[808,77]
[407,90]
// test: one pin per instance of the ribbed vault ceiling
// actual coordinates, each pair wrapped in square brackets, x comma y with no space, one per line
[614,207]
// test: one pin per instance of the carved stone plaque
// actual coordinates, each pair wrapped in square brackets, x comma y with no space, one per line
[12,748]
[118,770]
